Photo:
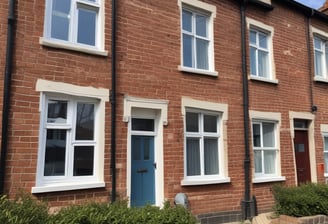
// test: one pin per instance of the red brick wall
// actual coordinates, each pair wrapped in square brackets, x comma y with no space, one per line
[33,61]
[148,54]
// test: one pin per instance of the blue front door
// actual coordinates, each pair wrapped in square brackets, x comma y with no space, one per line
[143,171]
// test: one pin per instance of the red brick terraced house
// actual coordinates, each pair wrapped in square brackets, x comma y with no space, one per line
[208,103]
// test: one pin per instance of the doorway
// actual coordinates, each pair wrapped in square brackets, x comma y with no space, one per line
[142,162]
[301,150]
[143,171]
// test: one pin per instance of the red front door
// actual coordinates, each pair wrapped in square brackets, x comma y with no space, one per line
[301,149]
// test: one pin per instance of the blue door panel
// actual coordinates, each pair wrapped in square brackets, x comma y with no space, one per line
[142,171]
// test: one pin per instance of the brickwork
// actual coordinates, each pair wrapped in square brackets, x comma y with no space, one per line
[148,55]
[33,61]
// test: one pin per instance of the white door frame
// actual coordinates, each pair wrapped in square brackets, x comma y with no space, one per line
[147,108]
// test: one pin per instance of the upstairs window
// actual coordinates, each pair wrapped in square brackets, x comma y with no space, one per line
[75,22]
[261,60]
[259,54]
[197,48]
[195,40]
[320,57]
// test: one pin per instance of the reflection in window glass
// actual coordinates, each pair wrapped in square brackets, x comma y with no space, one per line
[84,121]
[83,160]
[210,123]
[256,135]
[140,124]
[202,53]
[193,157]
[60,19]
[55,154]
[86,27]
[201,28]
[57,111]
[187,50]
[186,20]
[211,156]
[268,135]
[192,122]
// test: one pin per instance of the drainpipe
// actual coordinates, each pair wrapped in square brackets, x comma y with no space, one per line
[309,44]
[113,104]
[6,91]
[248,204]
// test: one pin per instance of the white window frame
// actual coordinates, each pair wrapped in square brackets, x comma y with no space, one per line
[198,7]
[325,152]
[71,43]
[323,38]
[324,133]
[71,93]
[260,27]
[221,110]
[274,118]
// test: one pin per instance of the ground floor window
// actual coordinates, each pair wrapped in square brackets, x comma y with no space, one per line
[71,144]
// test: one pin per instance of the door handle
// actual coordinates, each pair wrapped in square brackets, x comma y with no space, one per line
[144,170]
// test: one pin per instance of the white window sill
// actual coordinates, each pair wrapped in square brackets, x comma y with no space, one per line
[70,46]
[320,79]
[197,71]
[66,187]
[261,79]
[191,182]
[267,179]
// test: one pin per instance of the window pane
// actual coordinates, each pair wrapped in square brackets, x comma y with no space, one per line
[210,123]
[201,25]
[252,37]
[192,122]
[258,161]
[211,156]
[187,50]
[136,146]
[139,124]
[55,154]
[326,144]
[263,40]
[84,121]
[86,27]
[202,53]
[256,135]
[317,43]
[253,60]
[326,59]
[326,162]
[57,111]
[269,162]
[268,135]
[60,19]
[83,160]
[263,59]
[193,157]
[186,20]
[318,63]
